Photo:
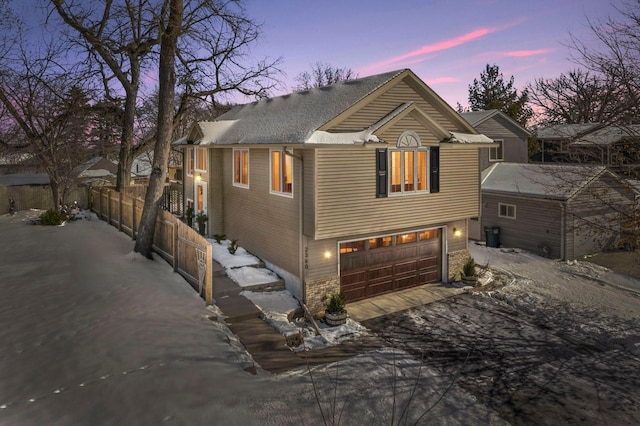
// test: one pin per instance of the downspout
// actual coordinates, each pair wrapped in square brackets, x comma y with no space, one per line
[563,229]
[301,262]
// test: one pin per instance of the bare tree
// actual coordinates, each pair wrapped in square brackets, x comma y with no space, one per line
[576,97]
[167,78]
[52,117]
[615,57]
[322,74]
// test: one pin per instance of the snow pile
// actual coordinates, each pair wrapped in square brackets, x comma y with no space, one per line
[248,276]
[240,258]
[278,306]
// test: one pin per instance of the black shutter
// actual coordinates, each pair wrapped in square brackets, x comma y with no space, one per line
[381,173]
[434,159]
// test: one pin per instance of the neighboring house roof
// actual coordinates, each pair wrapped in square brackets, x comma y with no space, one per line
[300,117]
[564,131]
[550,181]
[97,167]
[16,158]
[24,179]
[477,118]
[608,135]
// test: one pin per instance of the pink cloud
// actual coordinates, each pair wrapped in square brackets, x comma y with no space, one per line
[430,48]
[440,80]
[523,53]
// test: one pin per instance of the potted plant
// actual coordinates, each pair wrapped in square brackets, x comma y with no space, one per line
[189,215]
[202,221]
[469,274]
[336,312]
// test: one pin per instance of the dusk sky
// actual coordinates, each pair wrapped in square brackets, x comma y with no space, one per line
[447,43]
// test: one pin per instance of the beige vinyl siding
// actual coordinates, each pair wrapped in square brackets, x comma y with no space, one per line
[409,123]
[456,243]
[387,102]
[315,263]
[309,177]
[265,224]
[347,205]
[215,194]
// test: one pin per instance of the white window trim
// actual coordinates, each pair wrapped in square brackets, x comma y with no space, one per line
[507,206]
[190,172]
[233,168]
[280,193]
[494,160]
[195,159]
[415,169]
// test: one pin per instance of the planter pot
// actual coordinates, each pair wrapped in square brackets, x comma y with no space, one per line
[202,227]
[335,319]
[470,280]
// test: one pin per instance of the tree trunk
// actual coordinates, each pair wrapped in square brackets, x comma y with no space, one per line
[166,94]
[55,192]
[123,177]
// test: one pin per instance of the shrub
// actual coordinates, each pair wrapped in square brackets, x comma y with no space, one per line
[336,303]
[469,268]
[219,238]
[233,247]
[52,217]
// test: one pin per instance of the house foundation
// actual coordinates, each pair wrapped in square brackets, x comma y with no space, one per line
[318,292]
[455,262]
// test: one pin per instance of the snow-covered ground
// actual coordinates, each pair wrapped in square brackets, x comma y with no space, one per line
[278,307]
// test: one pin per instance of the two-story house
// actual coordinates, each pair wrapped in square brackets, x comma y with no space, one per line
[366,185]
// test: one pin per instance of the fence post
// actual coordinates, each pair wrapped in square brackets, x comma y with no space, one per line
[109,207]
[120,211]
[208,278]
[133,216]
[174,243]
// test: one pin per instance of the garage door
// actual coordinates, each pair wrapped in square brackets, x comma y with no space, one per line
[390,263]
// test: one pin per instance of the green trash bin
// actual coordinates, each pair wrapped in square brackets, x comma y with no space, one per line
[492,236]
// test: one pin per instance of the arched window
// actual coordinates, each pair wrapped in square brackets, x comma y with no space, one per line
[409,139]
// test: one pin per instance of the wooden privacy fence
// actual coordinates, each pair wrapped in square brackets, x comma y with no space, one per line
[186,250]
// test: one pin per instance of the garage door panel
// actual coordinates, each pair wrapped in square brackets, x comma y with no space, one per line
[379,270]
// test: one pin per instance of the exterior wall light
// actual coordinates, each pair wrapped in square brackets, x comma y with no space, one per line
[199,177]
[327,254]
[457,232]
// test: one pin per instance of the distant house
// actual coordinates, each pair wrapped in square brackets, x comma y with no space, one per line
[512,146]
[511,138]
[98,171]
[555,210]
[364,186]
[616,147]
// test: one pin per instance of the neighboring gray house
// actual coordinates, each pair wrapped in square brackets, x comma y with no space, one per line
[513,146]
[558,211]
[505,131]
[614,146]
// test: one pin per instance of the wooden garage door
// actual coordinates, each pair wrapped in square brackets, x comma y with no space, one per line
[385,264]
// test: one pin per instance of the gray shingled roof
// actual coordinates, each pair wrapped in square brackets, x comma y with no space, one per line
[290,119]
[563,131]
[551,181]
[476,118]
[608,135]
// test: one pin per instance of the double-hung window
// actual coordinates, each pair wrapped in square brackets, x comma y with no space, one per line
[190,161]
[497,153]
[281,176]
[201,159]
[507,210]
[409,165]
[241,168]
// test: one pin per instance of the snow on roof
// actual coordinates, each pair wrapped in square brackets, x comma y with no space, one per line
[468,138]
[87,170]
[24,179]
[350,138]
[290,119]
[551,181]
